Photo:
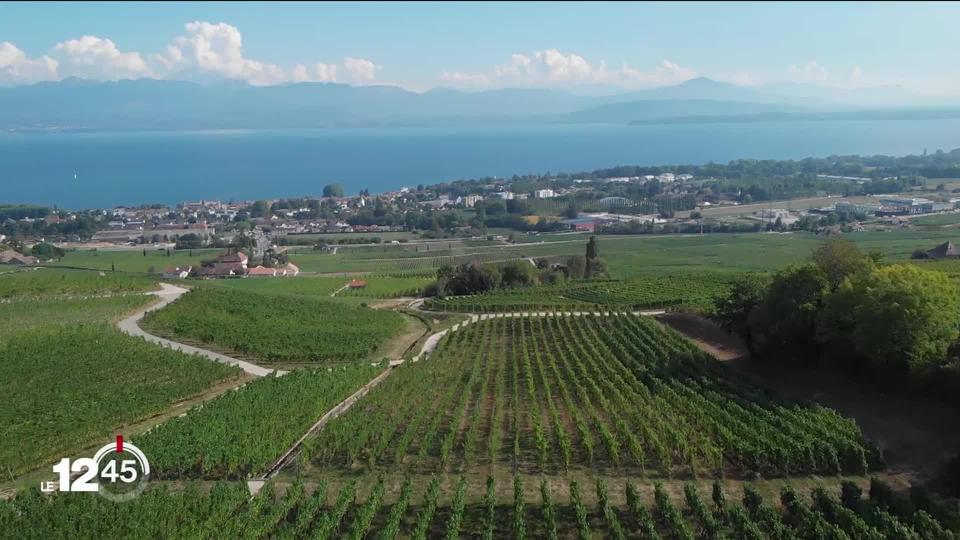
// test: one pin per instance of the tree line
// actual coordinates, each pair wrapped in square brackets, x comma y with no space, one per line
[894,324]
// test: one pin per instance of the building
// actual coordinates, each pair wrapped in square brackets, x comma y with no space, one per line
[291,270]
[357,284]
[544,194]
[945,250]
[471,200]
[261,271]
[505,195]
[897,206]
[16,259]
[666,178]
[177,272]
[857,208]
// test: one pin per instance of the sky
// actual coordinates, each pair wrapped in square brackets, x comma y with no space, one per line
[580,47]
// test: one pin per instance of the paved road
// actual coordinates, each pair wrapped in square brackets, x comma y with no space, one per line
[167,294]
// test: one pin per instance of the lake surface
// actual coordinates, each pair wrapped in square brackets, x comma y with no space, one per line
[117,168]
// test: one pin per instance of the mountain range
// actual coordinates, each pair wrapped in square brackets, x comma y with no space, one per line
[150,104]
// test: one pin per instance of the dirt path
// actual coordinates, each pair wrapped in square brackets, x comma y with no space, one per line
[167,294]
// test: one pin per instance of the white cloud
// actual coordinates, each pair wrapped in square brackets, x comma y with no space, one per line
[17,68]
[811,72]
[93,57]
[315,73]
[360,70]
[665,73]
[215,50]
[551,67]
[458,78]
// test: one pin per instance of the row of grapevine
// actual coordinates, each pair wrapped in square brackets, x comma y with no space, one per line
[611,392]
[303,511]
[635,293]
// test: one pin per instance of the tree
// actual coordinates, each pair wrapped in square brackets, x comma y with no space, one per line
[517,274]
[259,209]
[735,309]
[787,320]
[576,267]
[840,258]
[592,248]
[46,251]
[572,211]
[333,190]
[899,318]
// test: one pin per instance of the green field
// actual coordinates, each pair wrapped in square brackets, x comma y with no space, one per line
[639,255]
[64,387]
[27,314]
[275,328]
[292,286]
[690,290]
[242,432]
[134,260]
[937,220]
[47,282]
[387,287]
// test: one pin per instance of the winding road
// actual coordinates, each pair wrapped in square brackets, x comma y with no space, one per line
[167,294]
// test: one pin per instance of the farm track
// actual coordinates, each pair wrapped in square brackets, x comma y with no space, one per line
[167,294]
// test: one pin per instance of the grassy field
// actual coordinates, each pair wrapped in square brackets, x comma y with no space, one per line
[937,220]
[134,260]
[387,287]
[272,328]
[49,282]
[291,286]
[63,387]
[385,236]
[638,255]
[24,315]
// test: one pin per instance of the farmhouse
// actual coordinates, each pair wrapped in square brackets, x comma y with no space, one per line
[357,284]
[262,271]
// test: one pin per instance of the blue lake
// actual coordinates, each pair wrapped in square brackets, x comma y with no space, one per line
[114,168]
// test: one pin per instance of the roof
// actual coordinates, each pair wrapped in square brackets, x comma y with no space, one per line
[292,267]
[10,256]
[357,284]
[237,257]
[261,271]
[946,249]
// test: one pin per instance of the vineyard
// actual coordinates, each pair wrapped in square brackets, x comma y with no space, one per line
[62,388]
[275,328]
[243,431]
[32,313]
[557,393]
[558,510]
[45,282]
[387,287]
[637,293]
[294,286]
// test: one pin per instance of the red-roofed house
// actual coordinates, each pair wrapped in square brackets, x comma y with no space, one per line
[262,271]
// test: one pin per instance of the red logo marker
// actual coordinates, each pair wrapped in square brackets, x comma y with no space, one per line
[119,444]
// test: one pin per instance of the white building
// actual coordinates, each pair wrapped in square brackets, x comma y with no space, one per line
[470,200]
[544,194]
[666,178]
[505,195]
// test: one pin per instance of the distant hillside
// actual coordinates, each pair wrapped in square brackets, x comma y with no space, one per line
[651,110]
[77,104]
